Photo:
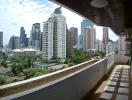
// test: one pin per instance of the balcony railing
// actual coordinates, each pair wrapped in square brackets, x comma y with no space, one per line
[68,84]
[110,61]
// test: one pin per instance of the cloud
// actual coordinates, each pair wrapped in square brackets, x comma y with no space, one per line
[17,13]
[72,19]
[112,35]
[99,32]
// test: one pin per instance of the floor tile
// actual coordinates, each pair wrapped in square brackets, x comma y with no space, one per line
[123,90]
[107,96]
[124,84]
[109,88]
[121,97]
[112,83]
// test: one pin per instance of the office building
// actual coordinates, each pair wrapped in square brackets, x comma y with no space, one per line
[14,42]
[1,40]
[84,24]
[69,44]
[22,37]
[99,45]
[74,31]
[36,36]
[89,38]
[105,38]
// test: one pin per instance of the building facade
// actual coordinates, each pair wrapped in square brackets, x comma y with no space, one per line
[122,45]
[36,36]
[23,37]
[110,47]
[59,35]
[69,44]
[74,31]
[1,40]
[84,24]
[27,52]
[89,38]
[99,45]
[14,42]
[105,38]
[47,40]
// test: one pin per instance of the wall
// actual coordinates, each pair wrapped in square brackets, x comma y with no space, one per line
[121,59]
[70,87]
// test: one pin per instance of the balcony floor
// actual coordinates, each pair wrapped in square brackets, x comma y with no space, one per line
[117,87]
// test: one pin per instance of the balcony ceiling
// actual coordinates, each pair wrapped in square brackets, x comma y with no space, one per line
[117,14]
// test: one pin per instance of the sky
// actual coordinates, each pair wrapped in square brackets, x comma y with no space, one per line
[17,13]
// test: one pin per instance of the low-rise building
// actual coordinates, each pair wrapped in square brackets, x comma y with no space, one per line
[26,52]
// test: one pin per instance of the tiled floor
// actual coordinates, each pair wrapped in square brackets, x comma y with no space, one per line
[116,87]
[118,84]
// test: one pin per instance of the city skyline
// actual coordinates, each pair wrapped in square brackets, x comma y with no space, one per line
[24,13]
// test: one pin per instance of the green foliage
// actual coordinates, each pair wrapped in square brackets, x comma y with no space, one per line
[61,61]
[18,65]
[39,57]
[33,72]
[0,61]
[100,54]
[52,70]
[67,61]
[70,64]
[129,62]
[2,80]
[79,56]
[3,62]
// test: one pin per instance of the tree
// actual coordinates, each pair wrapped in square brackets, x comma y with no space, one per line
[2,80]
[39,56]
[18,65]
[3,62]
[79,56]
[100,54]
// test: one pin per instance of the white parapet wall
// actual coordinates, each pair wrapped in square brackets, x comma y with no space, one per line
[68,84]
[121,59]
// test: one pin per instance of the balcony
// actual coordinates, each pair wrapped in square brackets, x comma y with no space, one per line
[107,78]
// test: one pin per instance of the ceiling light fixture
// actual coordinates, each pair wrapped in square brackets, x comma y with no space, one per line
[99,3]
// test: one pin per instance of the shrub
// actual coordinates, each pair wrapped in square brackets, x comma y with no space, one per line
[33,72]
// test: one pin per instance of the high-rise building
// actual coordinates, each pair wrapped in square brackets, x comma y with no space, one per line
[47,40]
[99,45]
[22,37]
[122,45]
[26,42]
[59,35]
[69,44]
[41,41]
[110,47]
[74,31]
[84,24]
[80,39]
[89,38]
[105,38]
[36,36]
[1,40]
[14,42]
[58,11]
